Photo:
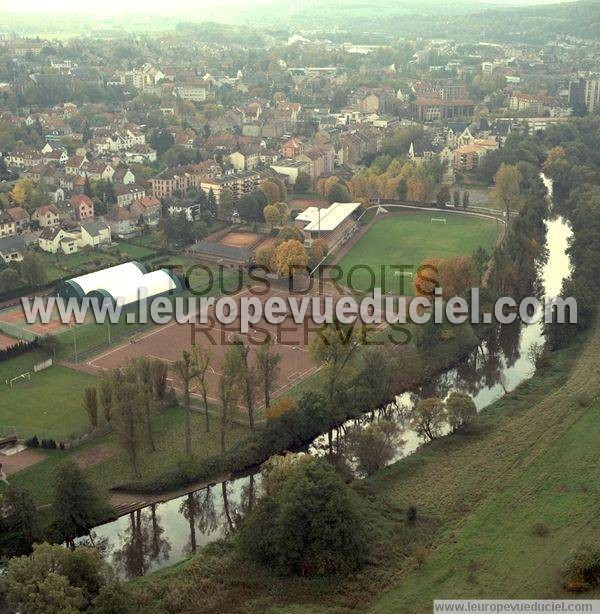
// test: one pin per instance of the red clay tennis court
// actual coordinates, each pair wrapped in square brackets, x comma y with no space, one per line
[242,239]
[15,317]
[166,343]
[6,341]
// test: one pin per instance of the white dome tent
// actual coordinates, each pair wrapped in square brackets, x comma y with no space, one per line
[124,284]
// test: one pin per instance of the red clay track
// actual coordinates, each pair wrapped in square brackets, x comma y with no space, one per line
[166,343]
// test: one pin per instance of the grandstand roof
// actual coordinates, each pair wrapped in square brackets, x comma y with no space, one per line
[327,219]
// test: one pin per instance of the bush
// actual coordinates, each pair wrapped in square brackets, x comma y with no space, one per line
[32,442]
[419,556]
[582,572]
[411,514]
[283,406]
[312,525]
[19,348]
[170,399]
[540,529]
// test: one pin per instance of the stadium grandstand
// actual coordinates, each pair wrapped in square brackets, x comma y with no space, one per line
[124,284]
[334,223]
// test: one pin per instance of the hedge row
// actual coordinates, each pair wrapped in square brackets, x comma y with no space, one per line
[19,348]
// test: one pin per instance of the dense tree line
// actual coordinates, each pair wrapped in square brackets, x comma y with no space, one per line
[573,163]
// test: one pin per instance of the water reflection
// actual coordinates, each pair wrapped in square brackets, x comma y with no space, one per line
[142,544]
[163,534]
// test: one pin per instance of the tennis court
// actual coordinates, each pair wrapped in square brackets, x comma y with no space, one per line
[166,343]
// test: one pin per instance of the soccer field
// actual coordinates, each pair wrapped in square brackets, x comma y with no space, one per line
[406,240]
[48,405]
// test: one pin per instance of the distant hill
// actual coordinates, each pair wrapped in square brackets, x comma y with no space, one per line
[471,20]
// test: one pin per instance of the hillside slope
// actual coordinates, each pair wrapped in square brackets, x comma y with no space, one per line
[512,502]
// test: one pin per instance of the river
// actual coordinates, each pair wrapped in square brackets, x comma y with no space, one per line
[165,533]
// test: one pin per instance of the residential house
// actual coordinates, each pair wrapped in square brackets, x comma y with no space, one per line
[19,216]
[8,226]
[292,109]
[190,209]
[245,159]
[501,130]
[55,240]
[315,160]
[123,223]
[104,143]
[12,248]
[83,207]
[56,157]
[140,154]
[147,209]
[292,148]
[186,138]
[124,175]
[196,92]
[459,135]
[57,194]
[126,194]
[419,153]
[78,184]
[90,233]
[23,158]
[96,171]
[95,233]
[74,164]
[46,216]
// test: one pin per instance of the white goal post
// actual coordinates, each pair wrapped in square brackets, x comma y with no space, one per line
[438,220]
[14,380]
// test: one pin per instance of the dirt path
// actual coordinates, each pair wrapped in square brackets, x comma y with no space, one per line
[21,460]
[94,455]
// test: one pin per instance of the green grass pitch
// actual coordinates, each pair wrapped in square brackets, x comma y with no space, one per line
[406,240]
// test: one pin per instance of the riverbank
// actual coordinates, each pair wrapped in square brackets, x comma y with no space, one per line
[498,512]
[514,501]
[297,429]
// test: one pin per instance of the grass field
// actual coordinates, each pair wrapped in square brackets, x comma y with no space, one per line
[107,464]
[85,261]
[48,405]
[406,240]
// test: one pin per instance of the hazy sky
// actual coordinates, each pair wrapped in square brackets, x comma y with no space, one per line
[112,7]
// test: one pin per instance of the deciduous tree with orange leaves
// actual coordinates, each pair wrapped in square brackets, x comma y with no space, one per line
[290,258]
[457,275]
[427,277]
[417,189]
